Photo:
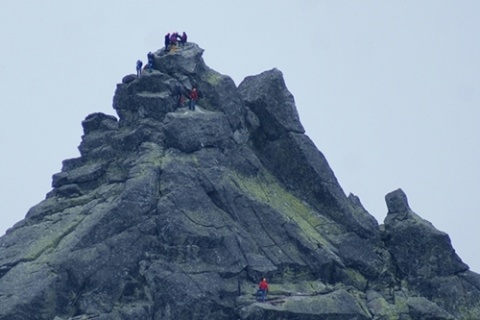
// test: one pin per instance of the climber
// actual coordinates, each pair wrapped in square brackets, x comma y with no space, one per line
[178,95]
[193,98]
[151,61]
[262,290]
[183,39]
[167,41]
[139,68]
[174,38]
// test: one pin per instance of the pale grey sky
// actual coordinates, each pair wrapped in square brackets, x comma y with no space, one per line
[389,91]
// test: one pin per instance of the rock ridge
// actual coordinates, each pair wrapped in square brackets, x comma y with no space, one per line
[170,213]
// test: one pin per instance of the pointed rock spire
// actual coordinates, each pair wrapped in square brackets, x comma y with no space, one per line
[397,203]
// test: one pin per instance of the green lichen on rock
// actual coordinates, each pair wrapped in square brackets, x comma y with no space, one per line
[48,241]
[266,189]
[213,77]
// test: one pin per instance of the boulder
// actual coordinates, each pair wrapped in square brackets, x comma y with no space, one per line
[191,131]
[419,249]
[268,97]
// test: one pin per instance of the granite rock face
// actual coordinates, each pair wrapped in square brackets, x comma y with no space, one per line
[170,213]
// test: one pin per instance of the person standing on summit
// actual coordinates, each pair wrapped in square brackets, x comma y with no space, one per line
[183,39]
[174,39]
[139,68]
[167,41]
[193,98]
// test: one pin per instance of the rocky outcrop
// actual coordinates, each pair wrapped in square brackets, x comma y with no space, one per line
[170,213]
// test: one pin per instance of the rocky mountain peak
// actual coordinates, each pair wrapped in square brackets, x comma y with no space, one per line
[173,213]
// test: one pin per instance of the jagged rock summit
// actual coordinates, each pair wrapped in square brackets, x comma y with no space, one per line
[170,213]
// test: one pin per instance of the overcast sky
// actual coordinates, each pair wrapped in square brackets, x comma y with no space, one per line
[389,91]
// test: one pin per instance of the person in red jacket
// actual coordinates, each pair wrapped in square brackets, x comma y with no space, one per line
[263,289]
[193,98]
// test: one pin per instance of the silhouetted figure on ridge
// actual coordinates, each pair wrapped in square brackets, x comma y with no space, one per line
[151,61]
[167,41]
[183,38]
[139,68]
[174,39]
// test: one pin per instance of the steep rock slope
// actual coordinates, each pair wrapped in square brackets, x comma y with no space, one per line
[176,214]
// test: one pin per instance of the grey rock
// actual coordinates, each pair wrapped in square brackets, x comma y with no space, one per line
[189,131]
[176,214]
[397,205]
[421,308]
[267,95]
[150,96]
[129,78]
[183,60]
[419,249]
[99,121]
[336,305]
[79,175]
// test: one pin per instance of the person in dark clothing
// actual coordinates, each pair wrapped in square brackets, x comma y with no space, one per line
[167,41]
[183,38]
[139,68]
[193,98]
[151,61]
[179,96]
[174,38]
